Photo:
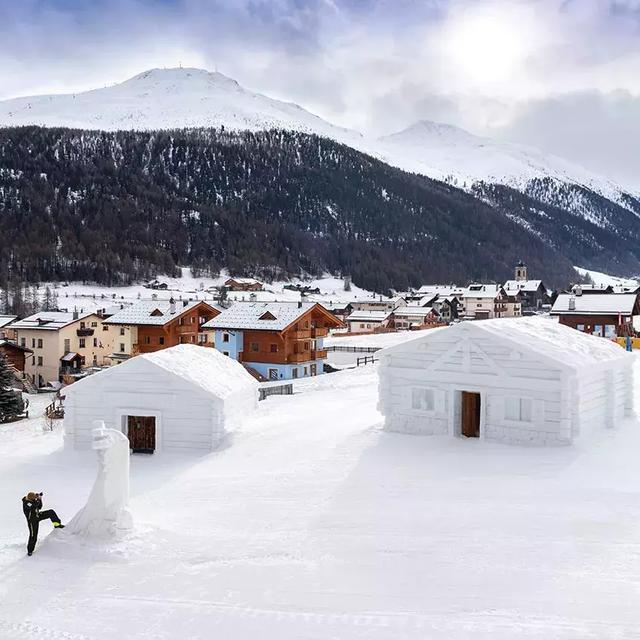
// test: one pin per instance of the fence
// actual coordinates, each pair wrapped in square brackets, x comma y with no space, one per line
[276,390]
[352,349]
[365,360]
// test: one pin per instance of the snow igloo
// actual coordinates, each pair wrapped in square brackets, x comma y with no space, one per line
[183,397]
[519,381]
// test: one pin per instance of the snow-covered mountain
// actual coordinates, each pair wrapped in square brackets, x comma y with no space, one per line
[166,99]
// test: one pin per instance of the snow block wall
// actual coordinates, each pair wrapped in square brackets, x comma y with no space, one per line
[537,382]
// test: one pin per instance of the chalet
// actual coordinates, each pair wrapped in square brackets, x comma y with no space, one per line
[508,304]
[413,317]
[592,289]
[6,332]
[158,324]
[382,304]
[341,311]
[518,380]
[447,307]
[243,284]
[63,344]
[368,321]
[14,354]
[179,399]
[277,340]
[601,314]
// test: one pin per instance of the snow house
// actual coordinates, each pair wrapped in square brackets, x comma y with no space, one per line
[184,397]
[513,380]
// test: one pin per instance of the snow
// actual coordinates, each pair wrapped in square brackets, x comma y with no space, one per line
[604,279]
[183,98]
[316,524]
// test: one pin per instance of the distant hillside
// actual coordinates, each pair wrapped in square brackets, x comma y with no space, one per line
[112,207]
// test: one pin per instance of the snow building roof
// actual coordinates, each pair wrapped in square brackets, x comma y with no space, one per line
[6,320]
[596,303]
[153,312]
[369,316]
[50,320]
[11,343]
[268,316]
[442,289]
[203,367]
[543,336]
[244,280]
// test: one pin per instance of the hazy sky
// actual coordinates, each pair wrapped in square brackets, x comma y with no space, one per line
[563,75]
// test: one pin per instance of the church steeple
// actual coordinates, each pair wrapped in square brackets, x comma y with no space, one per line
[521,271]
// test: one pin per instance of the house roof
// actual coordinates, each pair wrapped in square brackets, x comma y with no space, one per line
[413,310]
[11,343]
[368,316]
[244,280]
[49,320]
[153,312]
[528,286]
[6,320]
[544,336]
[596,304]
[442,289]
[481,291]
[266,316]
[202,367]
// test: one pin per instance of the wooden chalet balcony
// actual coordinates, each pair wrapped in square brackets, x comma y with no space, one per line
[319,332]
[83,333]
[299,357]
[302,334]
[181,329]
[319,354]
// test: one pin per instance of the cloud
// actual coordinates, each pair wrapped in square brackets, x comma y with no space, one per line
[491,66]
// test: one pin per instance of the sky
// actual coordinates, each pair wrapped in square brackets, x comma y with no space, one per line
[561,75]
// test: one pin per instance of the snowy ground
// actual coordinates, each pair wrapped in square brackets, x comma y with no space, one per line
[604,279]
[89,297]
[315,524]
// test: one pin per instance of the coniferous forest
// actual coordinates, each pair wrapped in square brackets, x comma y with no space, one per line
[118,207]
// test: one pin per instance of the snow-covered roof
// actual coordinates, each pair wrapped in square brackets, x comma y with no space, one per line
[442,289]
[244,280]
[596,303]
[49,320]
[481,291]
[6,320]
[152,312]
[12,343]
[413,310]
[544,336]
[268,316]
[205,367]
[528,286]
[369,316]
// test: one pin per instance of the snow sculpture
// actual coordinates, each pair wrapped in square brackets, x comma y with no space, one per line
[107,509]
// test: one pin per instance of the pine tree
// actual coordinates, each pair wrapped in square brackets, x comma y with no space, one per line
[11,403]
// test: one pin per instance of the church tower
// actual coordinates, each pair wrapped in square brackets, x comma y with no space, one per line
[521,272]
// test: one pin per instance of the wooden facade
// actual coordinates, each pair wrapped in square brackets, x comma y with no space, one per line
[243,284]
[14,354]
[183,328]
[605,326]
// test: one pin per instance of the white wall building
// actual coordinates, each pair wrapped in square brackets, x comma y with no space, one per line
[184,397]
[367,321]
[515,380]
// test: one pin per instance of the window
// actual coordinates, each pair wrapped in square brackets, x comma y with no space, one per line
[95,342]
[598,330]
[122,347]
[255,346]
[273,374]
[23,342]
[105,327]
[518,409]
[147,339]
[294,373]
[306,346]
[422,399]
[94,324]
[202,338]
[33,361]
[580,327]
[121,331]
[361,326]
[225,337]
[274,349]
[33,343]
[82,325]
[161,340]
[225,353]
[67,345]
[193,319]
[306,371]
[39,343]
[610,331]
[39,361]
[82,343]
[181,321]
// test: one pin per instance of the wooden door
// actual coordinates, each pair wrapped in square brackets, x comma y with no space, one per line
[470,414]
[142,433]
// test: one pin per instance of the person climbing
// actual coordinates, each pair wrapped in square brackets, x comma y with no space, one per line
[31,505]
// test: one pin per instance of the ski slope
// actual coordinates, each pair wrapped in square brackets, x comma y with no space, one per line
[315,524]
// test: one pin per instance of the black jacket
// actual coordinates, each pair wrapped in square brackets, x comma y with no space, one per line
[31,508]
